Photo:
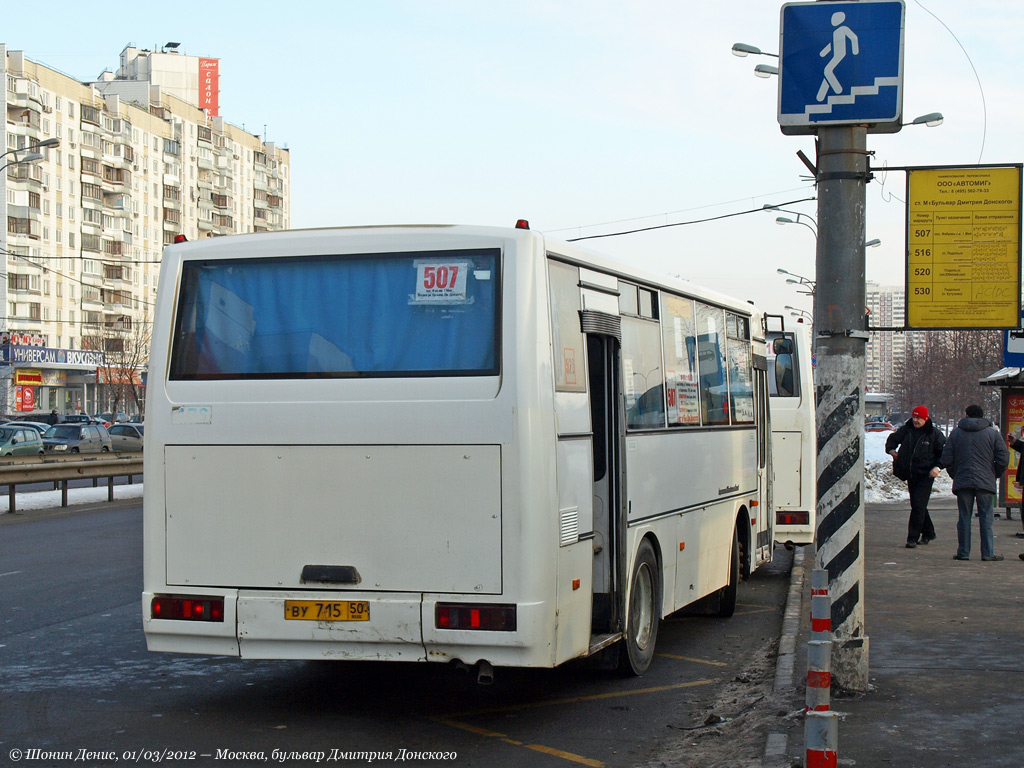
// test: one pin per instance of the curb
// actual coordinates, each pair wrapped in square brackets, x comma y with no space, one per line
[785,666]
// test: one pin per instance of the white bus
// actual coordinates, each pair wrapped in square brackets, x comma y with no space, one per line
[794,444]
[447,444]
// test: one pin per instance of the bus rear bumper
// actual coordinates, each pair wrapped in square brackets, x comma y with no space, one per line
[400,627]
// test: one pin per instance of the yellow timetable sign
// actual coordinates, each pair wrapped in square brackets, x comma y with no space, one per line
[963,247]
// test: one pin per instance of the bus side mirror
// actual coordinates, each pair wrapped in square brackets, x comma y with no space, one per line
[784,374]
[782,347]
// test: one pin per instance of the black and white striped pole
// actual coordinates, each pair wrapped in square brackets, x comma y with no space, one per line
[841,336]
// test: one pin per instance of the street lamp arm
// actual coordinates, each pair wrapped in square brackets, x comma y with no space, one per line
[743,49]
[32,156]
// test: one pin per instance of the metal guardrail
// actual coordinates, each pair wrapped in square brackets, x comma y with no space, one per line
[21,470]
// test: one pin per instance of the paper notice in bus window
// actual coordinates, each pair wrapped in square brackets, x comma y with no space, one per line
[441,282]
[569,365]
[683,398]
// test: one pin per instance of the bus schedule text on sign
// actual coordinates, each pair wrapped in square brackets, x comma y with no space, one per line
[963,247]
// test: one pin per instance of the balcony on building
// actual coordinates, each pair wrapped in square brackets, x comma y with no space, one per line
[91,300]
[223,225]
[23,227]
[117,178]
[91,195]
[25,120]
[117,201]
[172,197]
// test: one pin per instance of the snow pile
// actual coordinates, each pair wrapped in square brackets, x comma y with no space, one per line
[879,483]
[25,500]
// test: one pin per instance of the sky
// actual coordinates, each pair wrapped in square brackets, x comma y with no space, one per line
[585,117]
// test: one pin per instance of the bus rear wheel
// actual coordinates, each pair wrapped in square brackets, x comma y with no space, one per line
[643,613]
[727,595]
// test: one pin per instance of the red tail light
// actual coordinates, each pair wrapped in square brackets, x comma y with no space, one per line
[495,618]
[792,518]
[188,608]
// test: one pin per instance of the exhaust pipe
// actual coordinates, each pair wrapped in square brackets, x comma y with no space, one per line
[460,666]
[484,673]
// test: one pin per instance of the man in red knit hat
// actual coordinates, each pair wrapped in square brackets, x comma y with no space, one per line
[916,448]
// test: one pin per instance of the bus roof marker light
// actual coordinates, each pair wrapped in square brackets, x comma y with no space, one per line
[522,224]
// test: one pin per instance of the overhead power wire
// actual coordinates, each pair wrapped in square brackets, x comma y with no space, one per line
[981,90]
[691,221]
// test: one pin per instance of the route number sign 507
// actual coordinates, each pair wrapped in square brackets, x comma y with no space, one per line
[443,282]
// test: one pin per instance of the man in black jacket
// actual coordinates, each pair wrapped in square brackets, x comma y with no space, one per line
[975,456]
[917,460]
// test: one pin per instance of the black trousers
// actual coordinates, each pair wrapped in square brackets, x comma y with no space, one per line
[920,521]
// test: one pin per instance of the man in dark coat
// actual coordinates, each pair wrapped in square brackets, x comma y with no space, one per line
[917,460]
[975,456]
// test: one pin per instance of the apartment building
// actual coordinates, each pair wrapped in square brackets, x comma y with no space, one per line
[886,351]
[141,156]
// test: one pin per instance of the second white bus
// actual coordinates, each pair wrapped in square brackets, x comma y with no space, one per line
[794,443]
[444,444]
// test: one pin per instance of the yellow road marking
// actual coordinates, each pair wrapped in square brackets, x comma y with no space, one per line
[759,610]
[576,699]
[695,661]
[477,731]
[573,758]
[565,755]
[449,719]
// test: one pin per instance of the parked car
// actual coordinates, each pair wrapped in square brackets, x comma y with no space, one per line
[37,426]
[878,426]
[126,437]
[77,438]
[80,418]
[19,441]
[108,418]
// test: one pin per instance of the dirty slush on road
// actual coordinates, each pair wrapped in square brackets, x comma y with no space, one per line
[731,731]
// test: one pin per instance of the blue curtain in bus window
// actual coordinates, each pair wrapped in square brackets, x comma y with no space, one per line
[395,315]
[714,387]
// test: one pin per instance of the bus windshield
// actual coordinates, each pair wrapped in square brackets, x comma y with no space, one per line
[430,313]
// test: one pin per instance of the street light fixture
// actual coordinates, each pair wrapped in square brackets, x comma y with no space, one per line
[765,71]
[743,49]
[29,158]
[931,120]
[797,312]
[780,220]
[800,281]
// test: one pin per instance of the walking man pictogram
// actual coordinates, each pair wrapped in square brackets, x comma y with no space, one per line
[838,49]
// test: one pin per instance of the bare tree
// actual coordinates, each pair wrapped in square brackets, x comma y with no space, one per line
[943,373]
[125,344]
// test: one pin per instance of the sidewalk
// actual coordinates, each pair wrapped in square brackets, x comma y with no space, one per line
[946,653]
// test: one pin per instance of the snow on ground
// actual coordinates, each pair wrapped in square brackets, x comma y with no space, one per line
[50,499]
[879,483]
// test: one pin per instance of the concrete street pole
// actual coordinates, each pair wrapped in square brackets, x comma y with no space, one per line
[840,336]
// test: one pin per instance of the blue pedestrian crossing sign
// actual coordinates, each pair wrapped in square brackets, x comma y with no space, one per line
[841,64]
